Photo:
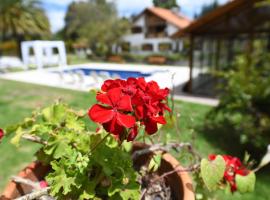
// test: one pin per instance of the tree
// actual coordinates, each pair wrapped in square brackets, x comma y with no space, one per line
[208,8]
[168,4]
[96,23]
[22,19]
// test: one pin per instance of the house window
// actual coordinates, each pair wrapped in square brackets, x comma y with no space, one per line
[157,31]
[165,46]
[147,47]
[136,29]
[125,46]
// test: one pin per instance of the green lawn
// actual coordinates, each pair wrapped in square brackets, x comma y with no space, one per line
[17,100]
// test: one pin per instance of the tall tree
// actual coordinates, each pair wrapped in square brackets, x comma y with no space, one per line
[168,4]
[96,23]
[208,8]
[22,19]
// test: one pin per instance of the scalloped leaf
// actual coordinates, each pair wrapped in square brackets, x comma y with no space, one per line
[246,183]
[17,138]
[212,172]
[154,163]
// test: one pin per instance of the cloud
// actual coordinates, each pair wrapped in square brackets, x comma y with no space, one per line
[190,7]
[130,7]
[56,20]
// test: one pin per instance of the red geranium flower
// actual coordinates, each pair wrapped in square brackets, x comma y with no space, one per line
[127,101]
[233,167]
[1,134]
[112,115]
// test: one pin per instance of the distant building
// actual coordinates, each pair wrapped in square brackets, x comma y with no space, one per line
[152,30]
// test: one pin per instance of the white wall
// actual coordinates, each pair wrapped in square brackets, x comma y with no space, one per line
[171,29]
[138,39]
[140,21]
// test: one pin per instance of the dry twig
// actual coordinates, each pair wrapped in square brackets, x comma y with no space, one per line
[33,184]
[35,139]
[35,194]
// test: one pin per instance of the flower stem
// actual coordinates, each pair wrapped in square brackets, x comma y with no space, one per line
[97,144]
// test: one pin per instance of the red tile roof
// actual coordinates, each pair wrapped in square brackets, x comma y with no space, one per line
[170,16]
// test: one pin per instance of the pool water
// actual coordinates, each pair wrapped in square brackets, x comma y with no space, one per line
[121,73]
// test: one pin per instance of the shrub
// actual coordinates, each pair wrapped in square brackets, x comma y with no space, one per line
[244,106]
[9,48]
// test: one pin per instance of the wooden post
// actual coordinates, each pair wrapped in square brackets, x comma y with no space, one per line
[230,48]
[202,54]
[190,62]
[217,54]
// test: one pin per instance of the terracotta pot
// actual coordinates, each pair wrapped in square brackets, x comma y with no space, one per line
[180,183]
[34,171]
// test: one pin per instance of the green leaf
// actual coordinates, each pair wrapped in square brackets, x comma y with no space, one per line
[130,194]
[59,181]
[17,138]
[58,147]
[11,129]
[127,146]
[154,163]
[245,183]
[72,122]
[212,172]
[54,113]
[28,122]
[89,191]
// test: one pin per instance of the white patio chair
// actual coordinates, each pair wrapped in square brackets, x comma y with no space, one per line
[116,76]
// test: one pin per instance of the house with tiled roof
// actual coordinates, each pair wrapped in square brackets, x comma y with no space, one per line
[152,30]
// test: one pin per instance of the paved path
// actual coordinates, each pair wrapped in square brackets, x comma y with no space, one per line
[198,100]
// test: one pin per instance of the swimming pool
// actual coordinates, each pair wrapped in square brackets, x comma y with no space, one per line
[92,75]
[124,74]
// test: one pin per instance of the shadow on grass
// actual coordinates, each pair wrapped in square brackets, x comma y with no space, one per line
[225,137]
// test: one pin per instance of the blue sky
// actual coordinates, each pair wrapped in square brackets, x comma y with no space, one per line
[56,9]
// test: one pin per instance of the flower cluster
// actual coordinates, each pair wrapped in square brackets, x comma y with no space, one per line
[1,134]
[233,167]
[126,104]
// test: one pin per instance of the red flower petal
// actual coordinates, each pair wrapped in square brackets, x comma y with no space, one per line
[100,114]
[159,119]
[124,104]
[1,133]
[242,172]
[212,157]
[139,112]
[114,95]
[125,120]
[103,98]
[132,133]
[131,81]
[141,83]
[109,84]
[150,127]
[113,127]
